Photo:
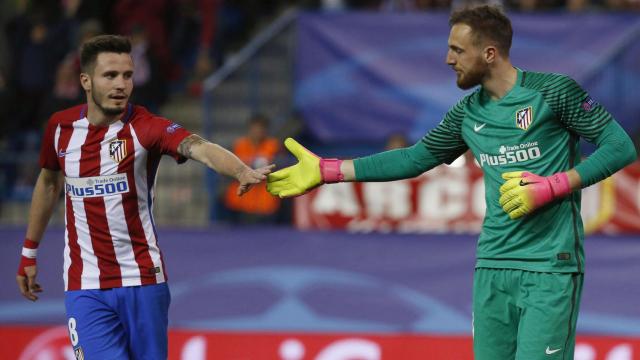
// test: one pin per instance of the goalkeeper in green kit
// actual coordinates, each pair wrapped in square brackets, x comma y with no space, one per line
[523,129]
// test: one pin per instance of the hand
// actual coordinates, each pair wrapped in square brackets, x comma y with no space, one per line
[248,177]
[310,171]
[26,279]
[524,192]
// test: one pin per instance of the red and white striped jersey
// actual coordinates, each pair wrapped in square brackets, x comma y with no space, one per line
[110,173]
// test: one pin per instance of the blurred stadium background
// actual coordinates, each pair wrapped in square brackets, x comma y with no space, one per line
[349,271]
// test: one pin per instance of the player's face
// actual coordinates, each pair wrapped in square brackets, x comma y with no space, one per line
[111,84]
[465,57]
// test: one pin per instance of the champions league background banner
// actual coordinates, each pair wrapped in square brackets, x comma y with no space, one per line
[362,77]
[279,293]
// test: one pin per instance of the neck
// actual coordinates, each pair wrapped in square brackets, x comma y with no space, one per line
[97,117]
[502,78]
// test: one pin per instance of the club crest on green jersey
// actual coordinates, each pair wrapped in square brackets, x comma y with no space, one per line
[524,118]
[118,150]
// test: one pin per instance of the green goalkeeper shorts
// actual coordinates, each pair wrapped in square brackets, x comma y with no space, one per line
[525,315]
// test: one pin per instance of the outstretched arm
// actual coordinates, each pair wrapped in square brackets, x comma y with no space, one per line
[222,161]
[45,196]
[443,144]
[312,171]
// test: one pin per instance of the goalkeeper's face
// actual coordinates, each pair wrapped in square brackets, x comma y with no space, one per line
[465,57]
[110,84]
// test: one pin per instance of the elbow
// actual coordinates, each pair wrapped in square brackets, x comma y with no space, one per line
[628,151]
[623,153]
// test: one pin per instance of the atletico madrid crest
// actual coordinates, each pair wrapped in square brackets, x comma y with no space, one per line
[118,150]
[524,118]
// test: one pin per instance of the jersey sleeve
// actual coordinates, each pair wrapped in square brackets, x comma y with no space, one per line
[584,116]
[163,136]
[575,108]
[445,141]
[48,154]
[395,164]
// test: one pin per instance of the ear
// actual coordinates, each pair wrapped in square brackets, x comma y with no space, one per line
[85,81]
[490,53]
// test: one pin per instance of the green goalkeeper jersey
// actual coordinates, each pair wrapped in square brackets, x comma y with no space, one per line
[535,127]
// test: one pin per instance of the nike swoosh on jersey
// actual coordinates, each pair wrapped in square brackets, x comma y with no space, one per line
[477,128]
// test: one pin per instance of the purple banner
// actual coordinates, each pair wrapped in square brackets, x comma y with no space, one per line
[280,279]
[364,76]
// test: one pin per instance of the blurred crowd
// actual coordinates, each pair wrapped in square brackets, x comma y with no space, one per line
[176,44]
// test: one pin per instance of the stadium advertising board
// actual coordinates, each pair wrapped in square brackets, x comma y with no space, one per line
[52,343]
[450,199]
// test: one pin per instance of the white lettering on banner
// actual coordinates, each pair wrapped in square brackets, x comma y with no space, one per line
[194,349]
[291,349]
[443,198]
[336,198]
[587,352]
[478,203]
[351,349]
[387,199]
[621,352]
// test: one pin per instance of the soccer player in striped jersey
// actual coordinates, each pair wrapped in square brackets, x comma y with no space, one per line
[105,155]
[523,129]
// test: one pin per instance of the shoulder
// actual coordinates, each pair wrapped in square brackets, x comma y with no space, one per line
[141,118]
[543,81]
[460,108]
[69,115]
[136,113]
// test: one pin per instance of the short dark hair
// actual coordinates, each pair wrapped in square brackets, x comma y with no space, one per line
[488,22]
[100,44]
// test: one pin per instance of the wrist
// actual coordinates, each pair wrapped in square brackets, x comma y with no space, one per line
[30,249]
[330,171]
[29,253]
[560,185]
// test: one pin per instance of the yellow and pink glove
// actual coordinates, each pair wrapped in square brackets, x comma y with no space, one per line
[311,171]
[524,192]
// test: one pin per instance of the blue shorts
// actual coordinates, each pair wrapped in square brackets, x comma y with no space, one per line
[119,323]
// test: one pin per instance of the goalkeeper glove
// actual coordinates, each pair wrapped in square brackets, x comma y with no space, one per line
[524,192]
[311,171]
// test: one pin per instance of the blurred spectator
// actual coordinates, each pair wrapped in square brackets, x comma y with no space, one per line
[37,43]
[66,90]
[255,149]
[150,87]
[7,168]
[6,101]
[192,41]
[153,16]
